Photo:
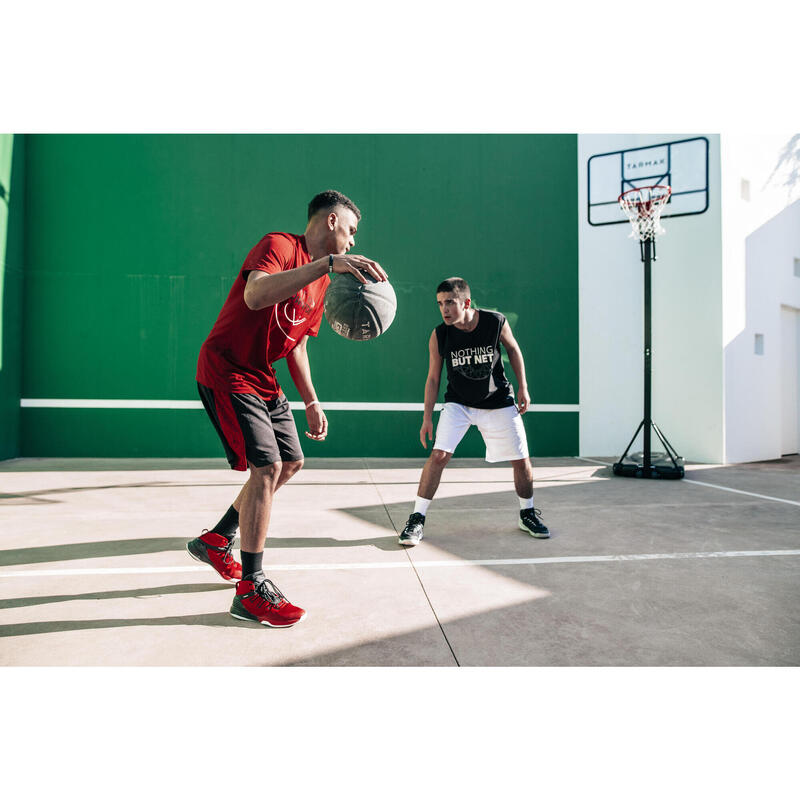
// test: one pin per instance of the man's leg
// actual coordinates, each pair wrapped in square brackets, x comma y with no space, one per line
[523,481]
[529,520]
[270,478]
[269,436]
[214,545]
[254,513]
[288,469]
[219,539]
[504,434]
[257,598]
[432,473]
[454,422]
[428,484]
[237,503]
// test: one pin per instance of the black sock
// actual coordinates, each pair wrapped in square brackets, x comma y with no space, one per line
[228,524]
[251,565]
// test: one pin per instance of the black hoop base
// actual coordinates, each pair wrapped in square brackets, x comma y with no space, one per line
[668,465]
[662,468]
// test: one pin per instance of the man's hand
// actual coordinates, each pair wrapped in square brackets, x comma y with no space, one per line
[317,423]
[426,431]
[356,264]
[523,400]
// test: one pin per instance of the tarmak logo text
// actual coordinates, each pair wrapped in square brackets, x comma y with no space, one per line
[638,165]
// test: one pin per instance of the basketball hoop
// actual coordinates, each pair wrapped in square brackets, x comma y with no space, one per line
[643,207]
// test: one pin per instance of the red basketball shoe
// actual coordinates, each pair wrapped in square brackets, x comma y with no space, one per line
[264,603]
[214,549]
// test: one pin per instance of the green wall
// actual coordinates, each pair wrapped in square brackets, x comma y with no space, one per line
[132,243]
[12,199]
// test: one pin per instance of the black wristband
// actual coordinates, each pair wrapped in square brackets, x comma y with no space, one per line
[330,263]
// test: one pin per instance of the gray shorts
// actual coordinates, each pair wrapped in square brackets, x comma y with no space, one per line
[253,431]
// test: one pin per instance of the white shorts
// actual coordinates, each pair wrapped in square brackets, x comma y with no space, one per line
[501,428]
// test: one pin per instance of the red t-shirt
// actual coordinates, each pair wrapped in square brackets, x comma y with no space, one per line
[239,352]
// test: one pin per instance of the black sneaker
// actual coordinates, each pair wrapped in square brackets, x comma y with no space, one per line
[412,533]
[530,523]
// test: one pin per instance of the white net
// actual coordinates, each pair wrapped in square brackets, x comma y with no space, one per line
[643,207]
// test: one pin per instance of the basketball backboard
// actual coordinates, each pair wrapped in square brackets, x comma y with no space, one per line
[681,165]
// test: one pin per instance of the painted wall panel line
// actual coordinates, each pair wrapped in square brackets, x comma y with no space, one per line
[295,406]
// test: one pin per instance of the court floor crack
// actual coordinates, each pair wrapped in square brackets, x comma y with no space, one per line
[413,566]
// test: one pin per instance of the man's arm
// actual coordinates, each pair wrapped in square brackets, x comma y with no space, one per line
[267,288]
[431,390]
[518,365]
[300,370]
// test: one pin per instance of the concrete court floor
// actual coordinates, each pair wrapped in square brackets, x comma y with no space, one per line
[93,569]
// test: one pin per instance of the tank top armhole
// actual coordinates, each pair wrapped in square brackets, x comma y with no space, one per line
[440,336]
[501,320]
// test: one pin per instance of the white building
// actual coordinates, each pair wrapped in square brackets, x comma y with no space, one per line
[725,296]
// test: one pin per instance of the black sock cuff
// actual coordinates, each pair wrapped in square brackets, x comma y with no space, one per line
[228,525]
[251,564]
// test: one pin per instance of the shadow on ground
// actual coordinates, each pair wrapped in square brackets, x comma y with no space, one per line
[153,591]
[82,551]
[86,550]
[60,626]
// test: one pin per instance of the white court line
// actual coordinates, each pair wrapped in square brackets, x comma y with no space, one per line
[712,486]
[42,402]
[739,491]
[593,460]
[51,573]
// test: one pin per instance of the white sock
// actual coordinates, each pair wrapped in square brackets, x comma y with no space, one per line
[525,502]
[421,505]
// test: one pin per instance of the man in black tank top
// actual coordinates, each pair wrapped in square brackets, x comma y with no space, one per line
[478,393]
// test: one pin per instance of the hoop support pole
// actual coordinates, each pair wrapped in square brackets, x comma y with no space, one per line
[648,363]
[647,470]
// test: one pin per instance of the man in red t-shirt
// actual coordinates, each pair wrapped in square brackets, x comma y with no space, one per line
[274,305]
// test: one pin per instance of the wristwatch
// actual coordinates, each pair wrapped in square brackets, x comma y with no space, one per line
[330,263]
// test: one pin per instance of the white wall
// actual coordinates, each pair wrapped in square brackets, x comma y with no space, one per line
[687,321]
[755,384]
[790,380]
[770,164]
[771,187]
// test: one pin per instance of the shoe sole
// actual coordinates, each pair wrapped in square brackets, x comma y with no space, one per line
[535,535]
[209,564]
[408,542]
[264,622]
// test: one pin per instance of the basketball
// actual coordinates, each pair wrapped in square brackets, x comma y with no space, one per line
[359,311]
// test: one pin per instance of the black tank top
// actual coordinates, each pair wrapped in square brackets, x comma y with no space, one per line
[475,375]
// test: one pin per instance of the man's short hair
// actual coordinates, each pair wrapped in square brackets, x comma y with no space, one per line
[458,286]
[325,201]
